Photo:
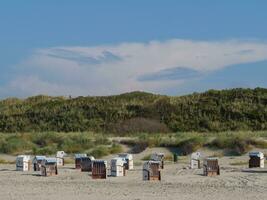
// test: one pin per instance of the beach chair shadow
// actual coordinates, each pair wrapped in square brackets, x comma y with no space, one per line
[255,170]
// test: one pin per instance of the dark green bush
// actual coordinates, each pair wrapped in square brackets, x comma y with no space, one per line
[132,113]
[190,145]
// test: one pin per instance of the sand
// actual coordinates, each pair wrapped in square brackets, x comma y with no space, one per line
[177,183]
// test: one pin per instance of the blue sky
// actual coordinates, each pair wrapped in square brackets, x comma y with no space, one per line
[101,47]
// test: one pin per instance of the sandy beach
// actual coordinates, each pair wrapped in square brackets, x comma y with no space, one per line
[235,182]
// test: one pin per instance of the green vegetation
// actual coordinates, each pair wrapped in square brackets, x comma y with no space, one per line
[232,120]
[237,144]
[99,145]
[115,149]
[101,151]
[233,143]
[168,157]
[146,157]
[138,112]
[47,143]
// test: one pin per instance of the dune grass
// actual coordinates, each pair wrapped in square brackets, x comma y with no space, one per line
[99,145]
[233,143]
[237,144]
[49,142]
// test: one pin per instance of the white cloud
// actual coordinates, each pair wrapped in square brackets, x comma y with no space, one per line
[111,69]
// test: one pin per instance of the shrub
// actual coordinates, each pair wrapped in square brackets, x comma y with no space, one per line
[101,140]
[48,150]
[14,144]
[70,146]
[139,125]
[138,145]
[234,145]
[76,143]
[115,148]
[190,145]
[99,152]
[47,138]
[258,143]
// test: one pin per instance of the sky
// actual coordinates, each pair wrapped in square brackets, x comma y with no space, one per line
[101,47]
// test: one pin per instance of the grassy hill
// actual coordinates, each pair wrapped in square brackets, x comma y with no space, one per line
[212,111]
